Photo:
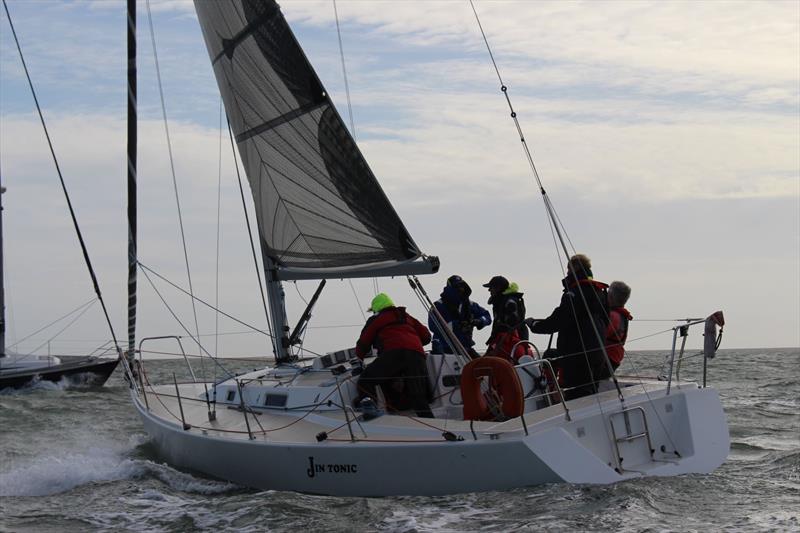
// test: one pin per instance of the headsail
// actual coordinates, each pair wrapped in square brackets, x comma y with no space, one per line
[320,210]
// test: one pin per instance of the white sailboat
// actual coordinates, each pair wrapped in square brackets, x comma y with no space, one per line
[321,215]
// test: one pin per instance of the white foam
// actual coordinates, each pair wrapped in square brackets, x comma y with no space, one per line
[52,474]
[183,482]
[37,385]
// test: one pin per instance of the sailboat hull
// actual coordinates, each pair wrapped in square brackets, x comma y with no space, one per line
[90,372]
[555,450]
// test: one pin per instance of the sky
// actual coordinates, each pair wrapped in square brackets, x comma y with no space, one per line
[667,135]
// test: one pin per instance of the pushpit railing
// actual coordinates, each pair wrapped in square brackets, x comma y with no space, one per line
[711,344]
[682,331]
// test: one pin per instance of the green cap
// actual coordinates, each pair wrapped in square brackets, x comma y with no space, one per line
[380,302]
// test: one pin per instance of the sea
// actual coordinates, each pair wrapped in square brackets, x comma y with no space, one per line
[80,461]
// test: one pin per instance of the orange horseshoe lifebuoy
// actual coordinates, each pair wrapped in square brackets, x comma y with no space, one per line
[503,380]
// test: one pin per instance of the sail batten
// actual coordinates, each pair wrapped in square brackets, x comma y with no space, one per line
[294,113]
[319,206]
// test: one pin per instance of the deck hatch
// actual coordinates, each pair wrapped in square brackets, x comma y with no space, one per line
[275,400]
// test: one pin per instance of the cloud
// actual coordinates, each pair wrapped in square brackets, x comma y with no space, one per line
[712,38]
[657,128]
[479,227]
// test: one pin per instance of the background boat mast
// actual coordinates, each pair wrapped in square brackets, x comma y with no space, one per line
[2,278]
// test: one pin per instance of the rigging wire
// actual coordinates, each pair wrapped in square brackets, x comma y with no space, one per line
[223,313]
[360,307]
[344,71]
[250,235]
[178,320]
[300,294]
[556,224]
[375,286]
[221,334]
[172,170]
[560,231]
[62,330]
[56,321]
[85,251]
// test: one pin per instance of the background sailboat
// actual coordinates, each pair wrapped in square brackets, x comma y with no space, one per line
[19,370]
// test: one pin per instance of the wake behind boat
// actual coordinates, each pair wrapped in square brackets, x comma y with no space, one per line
[321,215]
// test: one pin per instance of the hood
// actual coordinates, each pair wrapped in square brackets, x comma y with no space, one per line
[624,312]
[458,282]
[513,288]
[450,295]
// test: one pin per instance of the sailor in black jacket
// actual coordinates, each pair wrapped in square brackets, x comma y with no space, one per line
[580,320]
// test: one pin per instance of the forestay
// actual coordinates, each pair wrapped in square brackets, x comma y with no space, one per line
[320,210]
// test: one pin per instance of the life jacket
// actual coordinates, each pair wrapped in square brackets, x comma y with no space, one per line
[501,345]
[617,334]
[599,285]
[393,329]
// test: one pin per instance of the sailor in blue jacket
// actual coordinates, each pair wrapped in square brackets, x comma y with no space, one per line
[461,316]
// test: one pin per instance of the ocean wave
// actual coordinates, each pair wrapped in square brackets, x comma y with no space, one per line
[766,443]
[747,447]
[79,382]
[183,482]
[36,385]
[52,474]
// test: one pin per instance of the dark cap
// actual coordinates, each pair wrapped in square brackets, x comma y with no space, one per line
[498,283]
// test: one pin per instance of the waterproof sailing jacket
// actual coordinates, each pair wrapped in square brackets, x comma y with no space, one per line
[578,330]
[617,334]
[509,313]
[392,329]
[459,313]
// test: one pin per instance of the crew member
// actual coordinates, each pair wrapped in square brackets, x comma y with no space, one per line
[508,325]
[461,315]
[618,319]
[580,321]
[400,367]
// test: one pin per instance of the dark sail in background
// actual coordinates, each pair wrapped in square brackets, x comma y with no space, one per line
[318,203]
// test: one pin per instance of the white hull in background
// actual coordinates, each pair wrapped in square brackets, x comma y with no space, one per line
[401,459]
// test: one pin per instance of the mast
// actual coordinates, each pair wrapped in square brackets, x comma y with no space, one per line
[2,279]
[277,311]
[132,258]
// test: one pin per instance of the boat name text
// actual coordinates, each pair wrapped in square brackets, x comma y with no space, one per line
[316,468]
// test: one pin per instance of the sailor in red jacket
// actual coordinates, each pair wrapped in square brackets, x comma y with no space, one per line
[400,367]
[619,317]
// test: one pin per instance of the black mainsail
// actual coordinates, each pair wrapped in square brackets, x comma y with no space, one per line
[321,212]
